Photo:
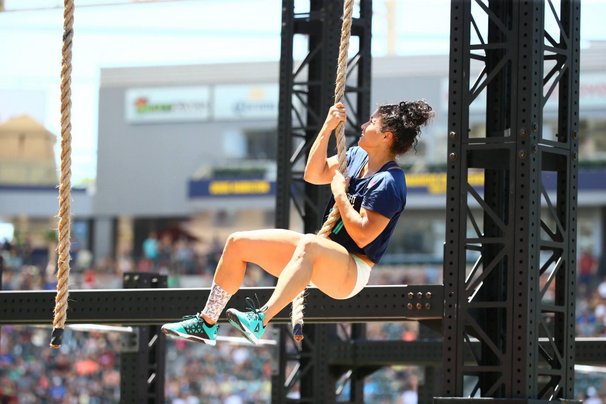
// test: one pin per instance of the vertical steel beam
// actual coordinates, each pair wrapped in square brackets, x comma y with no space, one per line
[568,51]
[356,380]
[319,383]
[502,299]
[432,383]
[526,124]
[324,38]
[306,93]
[456,195]
[143,353]
[285,120]
[428,389]
[494,321]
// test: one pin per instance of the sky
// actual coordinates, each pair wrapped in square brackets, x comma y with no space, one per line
[118,33]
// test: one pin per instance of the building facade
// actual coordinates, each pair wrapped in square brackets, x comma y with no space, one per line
[193,148]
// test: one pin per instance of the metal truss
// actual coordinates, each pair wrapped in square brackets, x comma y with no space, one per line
[143,357]
[153,306]
[518,299]
[428,352]
[143,352]
[306,93]
[508,320]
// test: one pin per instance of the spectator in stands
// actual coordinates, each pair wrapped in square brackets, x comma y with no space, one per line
[591,396]
[586,323]
[151,247]
[588,267]
[602,266]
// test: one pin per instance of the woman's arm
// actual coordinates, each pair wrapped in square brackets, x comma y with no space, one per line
[320,168]
[363,227]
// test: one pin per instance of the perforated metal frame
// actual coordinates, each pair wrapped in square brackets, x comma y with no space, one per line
[310,84]
[526,341]
[150,306]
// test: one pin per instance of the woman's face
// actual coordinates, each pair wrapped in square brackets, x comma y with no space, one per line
[372,134]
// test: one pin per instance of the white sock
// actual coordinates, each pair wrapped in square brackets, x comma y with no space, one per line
[217,300]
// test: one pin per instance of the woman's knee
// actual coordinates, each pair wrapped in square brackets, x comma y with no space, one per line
[234,242]
[308,245]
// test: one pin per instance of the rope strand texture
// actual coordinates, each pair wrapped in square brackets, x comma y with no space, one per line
[64,215]
[298,304]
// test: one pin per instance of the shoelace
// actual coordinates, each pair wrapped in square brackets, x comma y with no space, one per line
[255,307]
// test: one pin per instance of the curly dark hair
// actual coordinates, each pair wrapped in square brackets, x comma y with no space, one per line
[405,120]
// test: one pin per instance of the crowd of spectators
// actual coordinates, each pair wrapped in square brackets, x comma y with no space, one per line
[177,253]
[86,368]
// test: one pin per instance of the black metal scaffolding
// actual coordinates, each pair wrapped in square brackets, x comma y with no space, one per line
[306,93]
[518,298]
[143,352]
[508,320]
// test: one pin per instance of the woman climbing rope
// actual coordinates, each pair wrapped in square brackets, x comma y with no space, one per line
[369,201]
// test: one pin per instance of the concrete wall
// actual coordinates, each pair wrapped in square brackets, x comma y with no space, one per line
[143,169]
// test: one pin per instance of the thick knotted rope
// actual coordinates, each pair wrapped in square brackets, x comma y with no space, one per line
[298,304]
[64,215]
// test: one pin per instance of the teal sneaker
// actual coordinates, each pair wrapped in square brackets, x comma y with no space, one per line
[193,328]
[249,323]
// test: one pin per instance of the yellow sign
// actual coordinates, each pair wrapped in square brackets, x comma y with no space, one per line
[435,183]
[257,187]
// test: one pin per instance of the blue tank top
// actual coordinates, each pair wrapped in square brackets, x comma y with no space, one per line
[383,193]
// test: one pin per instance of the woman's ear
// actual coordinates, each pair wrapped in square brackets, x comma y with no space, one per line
[388,135]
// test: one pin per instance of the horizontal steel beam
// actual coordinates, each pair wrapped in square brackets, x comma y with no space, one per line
[385,353]
[589,351]
[158,305]
[465,400]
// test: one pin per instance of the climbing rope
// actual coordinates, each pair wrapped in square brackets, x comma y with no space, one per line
[64,215]
[298,304]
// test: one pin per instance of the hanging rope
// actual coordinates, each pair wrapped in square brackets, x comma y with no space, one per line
[64,226]
[298,304]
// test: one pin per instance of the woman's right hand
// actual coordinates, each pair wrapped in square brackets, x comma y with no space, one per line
[336,114]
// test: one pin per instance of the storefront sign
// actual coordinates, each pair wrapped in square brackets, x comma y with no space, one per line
[417,183]
[249,101]
[167,104]
[435,183]
[208,188]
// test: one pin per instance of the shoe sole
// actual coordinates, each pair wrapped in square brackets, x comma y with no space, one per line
[170,332]
[235,321]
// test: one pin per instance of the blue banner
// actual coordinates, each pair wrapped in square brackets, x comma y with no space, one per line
[209,188]
[418,183]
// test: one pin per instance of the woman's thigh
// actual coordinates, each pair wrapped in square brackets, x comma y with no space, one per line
[334,270]
[271,249]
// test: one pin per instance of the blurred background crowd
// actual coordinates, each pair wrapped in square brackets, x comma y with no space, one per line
[86,368]
[141,103]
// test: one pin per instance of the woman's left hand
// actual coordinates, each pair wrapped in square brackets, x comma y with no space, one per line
[339,184]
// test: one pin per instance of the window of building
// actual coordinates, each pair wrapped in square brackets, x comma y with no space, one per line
[592,141]
[225,218]
[261,144]
[418,238]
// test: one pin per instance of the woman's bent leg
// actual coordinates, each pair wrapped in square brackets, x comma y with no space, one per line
[271,249]
[316,259]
